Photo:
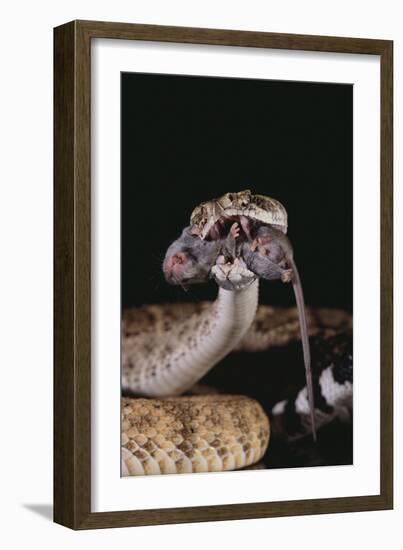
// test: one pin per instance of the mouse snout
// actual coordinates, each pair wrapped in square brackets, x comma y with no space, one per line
[174,264]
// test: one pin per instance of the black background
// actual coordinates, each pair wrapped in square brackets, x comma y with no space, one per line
[188,139]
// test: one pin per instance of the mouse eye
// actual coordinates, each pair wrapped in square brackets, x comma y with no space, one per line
[189,254]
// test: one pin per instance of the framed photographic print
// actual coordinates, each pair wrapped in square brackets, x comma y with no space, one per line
[223,275]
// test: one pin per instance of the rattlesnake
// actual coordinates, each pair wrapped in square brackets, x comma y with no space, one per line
[167,349]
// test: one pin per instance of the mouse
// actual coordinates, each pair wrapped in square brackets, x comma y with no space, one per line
[189,259]
[269,254]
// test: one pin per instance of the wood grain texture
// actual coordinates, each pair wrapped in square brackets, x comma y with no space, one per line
[64,379]
[72,296]
[72,277]
[220,37]
[387,273]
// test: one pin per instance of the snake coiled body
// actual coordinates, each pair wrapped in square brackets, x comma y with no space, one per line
[199,433]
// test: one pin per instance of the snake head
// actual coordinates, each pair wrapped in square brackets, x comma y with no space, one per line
[251,229]
[207,216]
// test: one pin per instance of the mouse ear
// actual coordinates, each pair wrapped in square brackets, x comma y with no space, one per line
[285,245]
[299,297]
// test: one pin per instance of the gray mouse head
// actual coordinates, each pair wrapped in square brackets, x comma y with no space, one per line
[189,260]
[269,253]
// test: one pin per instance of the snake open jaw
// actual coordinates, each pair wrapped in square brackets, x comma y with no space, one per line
[232,274]
[207,217]
[234,221]
[230,270]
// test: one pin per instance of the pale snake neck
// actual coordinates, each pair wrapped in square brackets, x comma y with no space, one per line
[205,339]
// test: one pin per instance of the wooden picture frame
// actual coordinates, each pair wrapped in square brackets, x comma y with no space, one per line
[72,270]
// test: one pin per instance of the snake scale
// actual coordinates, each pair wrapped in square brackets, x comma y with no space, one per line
[237,240]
